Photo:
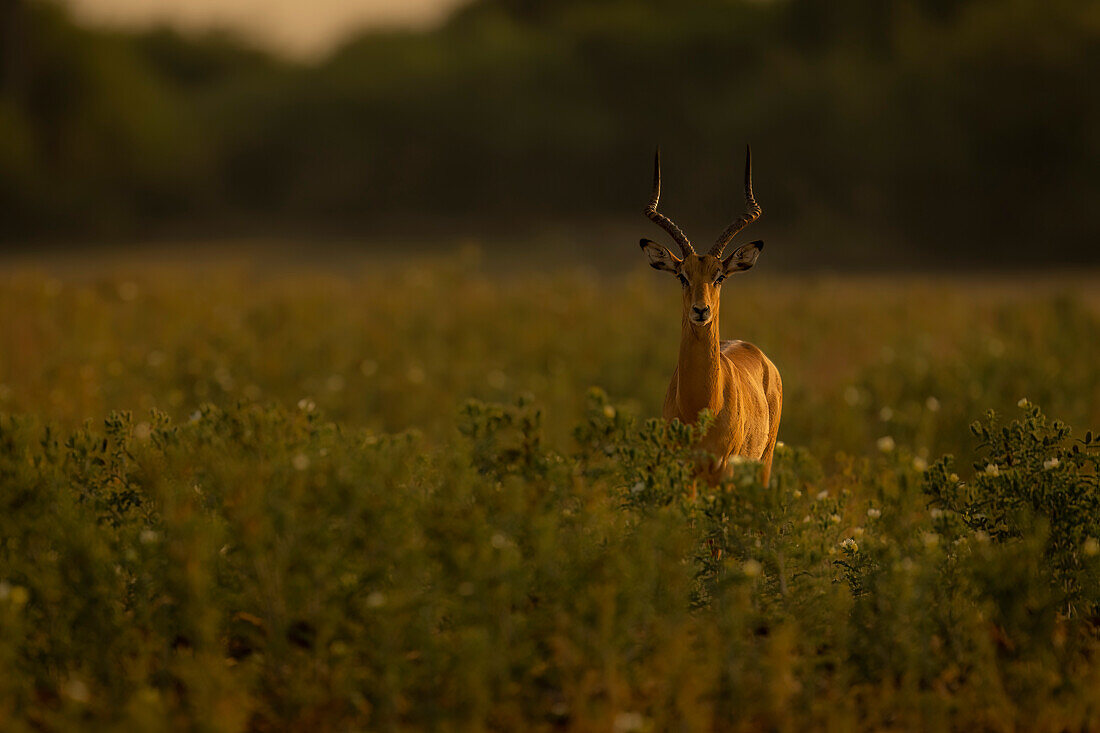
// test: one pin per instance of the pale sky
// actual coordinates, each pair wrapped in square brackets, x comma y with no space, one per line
[303,28]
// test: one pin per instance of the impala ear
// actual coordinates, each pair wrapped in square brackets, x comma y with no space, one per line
[659,257]
[743,258]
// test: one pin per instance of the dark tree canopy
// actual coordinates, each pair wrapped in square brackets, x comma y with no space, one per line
[908,127]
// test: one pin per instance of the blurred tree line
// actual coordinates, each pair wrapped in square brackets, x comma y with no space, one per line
[929,130]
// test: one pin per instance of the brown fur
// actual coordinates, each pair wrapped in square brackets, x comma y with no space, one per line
[732,379]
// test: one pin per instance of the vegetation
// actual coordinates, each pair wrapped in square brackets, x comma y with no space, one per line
[915,131]
[393,500]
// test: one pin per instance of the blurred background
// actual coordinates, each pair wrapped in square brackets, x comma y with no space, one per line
[916,134]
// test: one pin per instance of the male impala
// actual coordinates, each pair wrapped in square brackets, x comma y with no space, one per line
[732,379]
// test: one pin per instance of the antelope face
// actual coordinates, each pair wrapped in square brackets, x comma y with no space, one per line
[701,276]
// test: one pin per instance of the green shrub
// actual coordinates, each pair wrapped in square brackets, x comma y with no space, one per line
[1033,480]
[261,568]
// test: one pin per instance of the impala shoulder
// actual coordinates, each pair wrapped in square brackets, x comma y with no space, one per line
[748,358]
[738,350]
[722,346]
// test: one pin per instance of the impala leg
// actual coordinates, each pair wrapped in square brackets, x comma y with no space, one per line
[766,463]
[775,408]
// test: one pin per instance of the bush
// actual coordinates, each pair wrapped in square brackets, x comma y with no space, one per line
[261,568]
[1034,481]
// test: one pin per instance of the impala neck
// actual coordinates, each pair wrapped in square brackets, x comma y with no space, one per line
[699,369]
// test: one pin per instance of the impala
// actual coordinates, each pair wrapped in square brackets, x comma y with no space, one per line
[734,380]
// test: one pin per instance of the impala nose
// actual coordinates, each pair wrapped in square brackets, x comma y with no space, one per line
[700,313]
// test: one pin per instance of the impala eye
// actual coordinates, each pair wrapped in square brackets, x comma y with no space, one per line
[683,280]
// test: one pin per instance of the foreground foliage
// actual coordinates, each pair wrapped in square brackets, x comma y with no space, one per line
[259,568]
[313,506]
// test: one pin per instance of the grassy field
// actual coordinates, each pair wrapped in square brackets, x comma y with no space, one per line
[414,495]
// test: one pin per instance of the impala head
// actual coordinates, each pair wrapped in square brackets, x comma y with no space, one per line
[701,275]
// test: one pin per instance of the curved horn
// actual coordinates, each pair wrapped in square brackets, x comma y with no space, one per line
[752,211]
[660,219]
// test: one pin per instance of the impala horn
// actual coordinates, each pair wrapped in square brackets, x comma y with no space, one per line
[752,211]
[660,219]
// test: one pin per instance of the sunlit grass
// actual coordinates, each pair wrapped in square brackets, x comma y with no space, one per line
[402,346]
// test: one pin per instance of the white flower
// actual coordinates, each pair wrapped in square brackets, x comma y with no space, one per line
[75,689]
[752,568]
[835,519]
[780,444]
[1022,403]
[932,404]
[608,411]
[142,431]
[499,541]
[953,478]
[936,512]
[850,545]
[307,405]
[1091,547]
[147,536]
[628,722]
[885,444]
[930,539]
[376,600]
[1051,463]
[796,493]
[991,469]
[857,531]
[981,536]
[224,378]
[497,379]
[874,513]
[806,519]
[886,413]
[919,464]
[822,495]
[300,461]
